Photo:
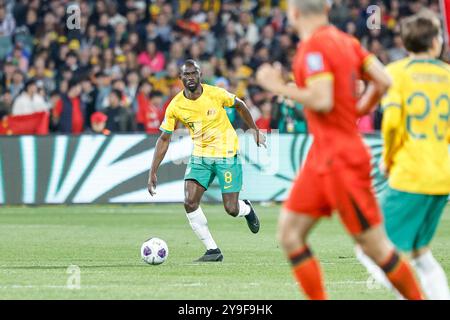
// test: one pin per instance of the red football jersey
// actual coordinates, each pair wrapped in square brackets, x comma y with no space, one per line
[338,56]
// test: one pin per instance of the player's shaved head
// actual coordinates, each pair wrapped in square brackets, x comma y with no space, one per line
[310,6]
[190,63]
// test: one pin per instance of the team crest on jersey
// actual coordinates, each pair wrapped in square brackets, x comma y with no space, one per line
[211,112]
[314,62]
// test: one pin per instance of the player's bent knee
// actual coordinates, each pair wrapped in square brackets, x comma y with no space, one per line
[190,205]
[289,238]
[284,235]
[281,233]
[289,241]
[232,209]
[282,238]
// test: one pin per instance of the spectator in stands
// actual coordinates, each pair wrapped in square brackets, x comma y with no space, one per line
[177,53]
[17,83]
[252,107]
[20,57]
[246,28]
[69,111]
[103,90]
[240,73]
[40,72]
[131,90]
[119,84]
[143,94]
[398,51]
[195,12]
[163,30]
[30,100]
[120,118]
[262,56]
[227,43]
[152,58]
[88,98]
[98,123]
[339,13]
[264,121]
[269,41]
[287,116]
[6,101]
[6,77]
[150,112]
[248,53]
[7,22]
[170,80]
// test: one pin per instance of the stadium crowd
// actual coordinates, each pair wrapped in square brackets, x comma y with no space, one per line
[116,69]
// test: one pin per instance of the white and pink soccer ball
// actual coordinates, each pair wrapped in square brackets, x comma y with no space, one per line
[154,251]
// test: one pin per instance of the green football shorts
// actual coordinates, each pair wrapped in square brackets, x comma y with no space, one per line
[205,169]
[411,219]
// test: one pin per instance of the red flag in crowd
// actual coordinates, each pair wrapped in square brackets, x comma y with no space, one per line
[190,26]
[35,123]
[445,8]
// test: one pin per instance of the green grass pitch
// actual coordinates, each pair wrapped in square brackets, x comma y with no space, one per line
[39,243]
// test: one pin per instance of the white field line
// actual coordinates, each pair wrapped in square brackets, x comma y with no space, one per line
[193,284]
[20,286]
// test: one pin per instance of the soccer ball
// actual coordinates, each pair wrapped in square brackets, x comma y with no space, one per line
[154,251]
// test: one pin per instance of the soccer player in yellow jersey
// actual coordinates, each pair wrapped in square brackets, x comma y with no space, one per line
[201,108]
[416,134]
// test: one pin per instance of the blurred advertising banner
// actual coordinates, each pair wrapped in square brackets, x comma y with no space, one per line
[64,169]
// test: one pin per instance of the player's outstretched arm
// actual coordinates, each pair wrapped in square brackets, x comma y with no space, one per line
[317,96]
[160,151]
[245,114]
[379,83]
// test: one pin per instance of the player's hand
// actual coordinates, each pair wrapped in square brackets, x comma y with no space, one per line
[270,77]
[360,88]
[260,138]
[151,185]
[383,169]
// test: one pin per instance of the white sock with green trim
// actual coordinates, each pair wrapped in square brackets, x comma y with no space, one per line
[199,225]
[244,209]
[432,277]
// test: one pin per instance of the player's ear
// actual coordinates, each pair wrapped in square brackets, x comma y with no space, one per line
[293,15]
[296,13]
[299,14]
[438,46]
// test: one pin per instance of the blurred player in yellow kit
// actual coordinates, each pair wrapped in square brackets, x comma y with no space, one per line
[416,134]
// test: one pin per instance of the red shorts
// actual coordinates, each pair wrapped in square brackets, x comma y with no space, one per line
[347,190]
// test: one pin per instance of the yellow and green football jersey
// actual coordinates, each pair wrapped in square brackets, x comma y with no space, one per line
[207,121]
[416,126]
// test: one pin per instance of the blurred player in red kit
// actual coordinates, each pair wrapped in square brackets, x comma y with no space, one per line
[336,175]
